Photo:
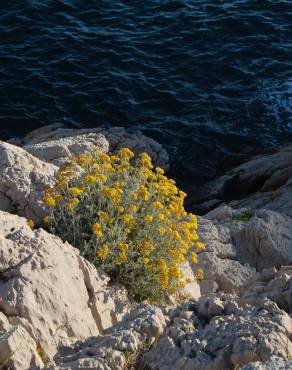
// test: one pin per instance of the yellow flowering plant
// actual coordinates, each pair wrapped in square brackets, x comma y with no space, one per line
[127,218]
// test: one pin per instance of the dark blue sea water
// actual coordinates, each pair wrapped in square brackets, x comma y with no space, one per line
[205,78]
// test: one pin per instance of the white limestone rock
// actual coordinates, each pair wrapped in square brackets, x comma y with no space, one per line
[18,351]
[221,334]
[111,351]
[221,263]
[23,179]
[273,284]
[217,235]
[191,290]
[49,290]
[110,305]
[274,363]
[117,137]
[228,274]
[266,240]
[239,243]
[59,151]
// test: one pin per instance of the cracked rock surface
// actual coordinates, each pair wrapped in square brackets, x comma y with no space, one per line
[237,249]
[18,350]
[55,143]
[217,333]
[48,290]
[23,179]
[273,284]
[58,151]
[113,350]
[275,363]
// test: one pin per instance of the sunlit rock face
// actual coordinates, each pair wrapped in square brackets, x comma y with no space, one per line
[48,292]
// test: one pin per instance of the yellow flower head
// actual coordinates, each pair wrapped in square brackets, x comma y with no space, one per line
[148,218]
[72,203]
[84,160]
[102,157]
[119,184]
[147,173]
[127,218]
[30,223]
[102,178]
[134,196]
[199,274]
[123,246]
[105,216]
[182,194]
[159,170]
[125,153]
[90,179]
[97,229]
[200,246]
[50,201]
[157,205]
[46,219]
[103,252]
[120,209]
[122,258]
[143,193]
[112,193]
[163,274]
[145,160]
[114,158]
[146,247]
[127,230]
[58,198]
[107,167]
[161,216]
[132,207]
[194,257]
[75,191]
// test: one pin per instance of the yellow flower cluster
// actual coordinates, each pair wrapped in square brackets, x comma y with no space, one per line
[148,218]
[145,160]
[72,203]
[105,216]
[76,191]
[122,257]
[163,273]
[50,201]
[143,193]
[97,229]
[112,193]
[103,252]
[128,218]
[30,223]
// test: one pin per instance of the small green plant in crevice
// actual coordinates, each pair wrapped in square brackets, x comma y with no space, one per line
[41,352]
[127,218]
[244,216]
[289,355]
[134,360]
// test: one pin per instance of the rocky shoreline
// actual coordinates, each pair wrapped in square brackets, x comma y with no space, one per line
[58,312]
